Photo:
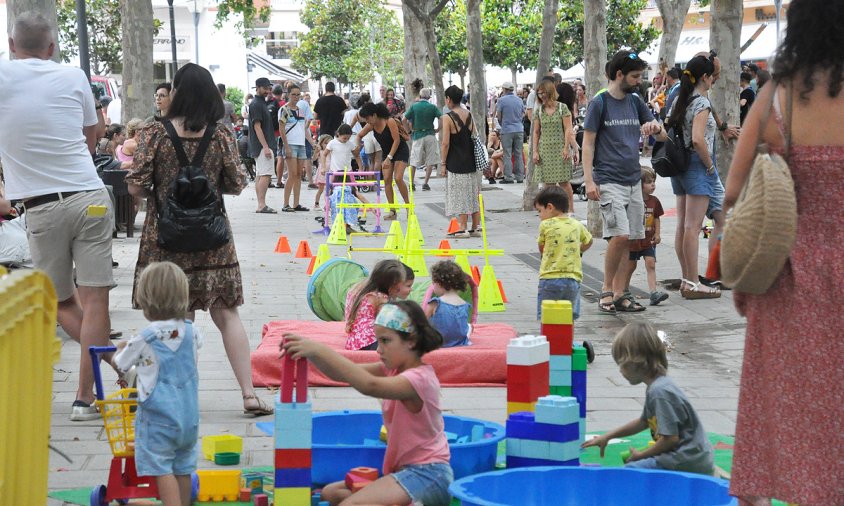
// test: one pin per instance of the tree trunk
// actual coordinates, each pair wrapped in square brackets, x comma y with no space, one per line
[673,14]
[138,86]
[595,52]
[725,34]
[514,76]
[415,50]
[45,7]
[546,45]
[477,80]
[462,81]
[436,67]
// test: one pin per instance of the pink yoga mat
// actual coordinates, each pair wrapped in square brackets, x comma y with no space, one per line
[481,364]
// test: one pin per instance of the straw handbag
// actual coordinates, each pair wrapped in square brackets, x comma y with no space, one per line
[760,232]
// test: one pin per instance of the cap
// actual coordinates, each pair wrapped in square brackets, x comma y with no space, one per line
[508,85]
[263,82]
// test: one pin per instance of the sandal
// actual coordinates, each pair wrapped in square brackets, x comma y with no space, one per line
[288,209]
[606,307]
[457,234]
[266,210]
[261,409]
[628,304]
[300,207]
[699,291]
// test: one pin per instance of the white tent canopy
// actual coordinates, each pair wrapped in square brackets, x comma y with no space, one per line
[695,41]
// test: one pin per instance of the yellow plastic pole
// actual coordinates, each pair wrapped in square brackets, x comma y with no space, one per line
[483,228]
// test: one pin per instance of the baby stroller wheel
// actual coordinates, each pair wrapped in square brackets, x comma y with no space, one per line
[581,192]
[590,351]
[98,496]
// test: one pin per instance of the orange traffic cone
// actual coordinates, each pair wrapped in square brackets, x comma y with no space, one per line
[282,246]
[476,274]
[501,289]
[311,266]
[444,244]
[304,250]
[453,226]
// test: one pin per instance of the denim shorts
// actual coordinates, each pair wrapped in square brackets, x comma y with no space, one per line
[716,200]
[426,483]
[297,152]
[647,252]
[559,289]
[696,180]
[648,463]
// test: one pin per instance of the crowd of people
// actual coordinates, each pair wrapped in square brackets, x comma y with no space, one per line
[69,222]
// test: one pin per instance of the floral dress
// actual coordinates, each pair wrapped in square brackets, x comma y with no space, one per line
[361,332]
[214,275]
[551,167]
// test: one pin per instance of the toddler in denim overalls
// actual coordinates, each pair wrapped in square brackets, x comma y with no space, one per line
[447,311]
[164,356]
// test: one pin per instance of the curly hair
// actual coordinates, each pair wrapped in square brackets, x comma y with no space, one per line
[812,42]
[449,276]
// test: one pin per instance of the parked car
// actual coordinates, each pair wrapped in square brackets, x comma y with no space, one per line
[103,86]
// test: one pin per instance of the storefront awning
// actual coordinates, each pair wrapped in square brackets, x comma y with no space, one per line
[275,71]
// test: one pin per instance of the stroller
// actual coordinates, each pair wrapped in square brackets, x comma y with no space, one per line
[576,181]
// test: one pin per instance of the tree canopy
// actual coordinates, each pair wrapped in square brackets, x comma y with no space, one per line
[104,34]
[450,27]
[349,40]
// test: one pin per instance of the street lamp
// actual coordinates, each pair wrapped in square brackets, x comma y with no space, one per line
[173,37]
[82,32]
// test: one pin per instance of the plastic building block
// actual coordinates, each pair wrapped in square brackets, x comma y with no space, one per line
[534,449]
[559,363]
[578,389]
[218,485]
[560,337]
[542,431]
[562,391]
[294,375]
[578,359]
[293,416]
[297,496]
[222,443]
[528,350]
[557,410]
[582,429]
[260,500]
[527,383]
[477,432]
[556,311]
[382,435]
[515,407]
[253,481]
[292,458]
[514,461]
[359,477]
[559,378]
[292,478]
[564,451]
[227,458]
[514,446]
[293,438]
[245,495]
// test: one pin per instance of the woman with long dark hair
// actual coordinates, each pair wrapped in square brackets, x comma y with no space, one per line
[463,184]
[395,149]
[215,282]
[692,112]
[788,431]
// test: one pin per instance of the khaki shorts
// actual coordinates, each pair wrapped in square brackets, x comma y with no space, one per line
[264,166]
[64,233]
[370,145]
[425,152]
[622,211]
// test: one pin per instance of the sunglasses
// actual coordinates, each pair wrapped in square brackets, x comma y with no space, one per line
[633,56]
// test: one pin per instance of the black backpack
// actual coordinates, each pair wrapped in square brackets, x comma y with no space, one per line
[192,218]
[671,158]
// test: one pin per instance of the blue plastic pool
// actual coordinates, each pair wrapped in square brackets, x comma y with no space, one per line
[346,439]
[587,486]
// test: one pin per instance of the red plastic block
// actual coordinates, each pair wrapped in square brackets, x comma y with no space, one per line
[294,374]
[527,383]
[260,500]
[245,495]
[359,477]
[290,458]
[560,337]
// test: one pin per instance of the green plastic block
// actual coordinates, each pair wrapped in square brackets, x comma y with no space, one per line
[578,358]
[561,391]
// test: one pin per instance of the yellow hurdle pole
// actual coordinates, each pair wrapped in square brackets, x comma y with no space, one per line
[438,251]
[483,228]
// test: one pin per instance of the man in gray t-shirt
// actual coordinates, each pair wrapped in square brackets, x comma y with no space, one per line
[614,121]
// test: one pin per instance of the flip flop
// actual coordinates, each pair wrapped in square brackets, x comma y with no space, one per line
[267,210]
[606,307]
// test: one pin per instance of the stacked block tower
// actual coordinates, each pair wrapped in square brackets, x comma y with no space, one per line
[293,436]
[546,429]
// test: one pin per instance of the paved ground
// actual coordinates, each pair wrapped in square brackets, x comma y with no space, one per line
[705,361]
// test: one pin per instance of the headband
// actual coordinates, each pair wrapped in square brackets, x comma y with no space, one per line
[393,317]
[691,77]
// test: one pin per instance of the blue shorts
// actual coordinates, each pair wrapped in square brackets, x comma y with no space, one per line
[309,151]
[162,449]
[647,252]
[426,483]
[559,289]
[695,181]
[716,201]
[297,152]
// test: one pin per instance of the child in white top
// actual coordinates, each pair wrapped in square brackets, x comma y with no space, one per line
[165,354]
[341,150]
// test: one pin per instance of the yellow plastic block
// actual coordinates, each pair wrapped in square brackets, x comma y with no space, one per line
[28,348]
[298,496]
[515,407]
[221,443]
[218,485]
[383,434]
[556,312]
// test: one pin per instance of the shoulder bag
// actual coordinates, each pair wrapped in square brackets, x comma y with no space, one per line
[760,233]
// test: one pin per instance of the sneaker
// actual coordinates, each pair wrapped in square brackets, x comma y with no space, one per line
[426,187]
[83,412]
[475,233]
[657,297]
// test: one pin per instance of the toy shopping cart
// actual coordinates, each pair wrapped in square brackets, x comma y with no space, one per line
[118,411]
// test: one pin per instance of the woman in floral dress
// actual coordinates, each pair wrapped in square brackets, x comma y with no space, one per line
[214,275]
[553,141]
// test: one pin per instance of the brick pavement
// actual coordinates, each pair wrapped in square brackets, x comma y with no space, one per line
[707,334]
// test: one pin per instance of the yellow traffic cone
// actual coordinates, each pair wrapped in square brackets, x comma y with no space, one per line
[395,237]
[322,256]
[417,263]
[414,231]
[338,232]
[463,262]
[489,295]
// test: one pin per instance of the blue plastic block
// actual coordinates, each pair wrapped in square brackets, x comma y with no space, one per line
[316,499]
[559,378]
[292,439]
[294,416]
[531,462]
[560,363]
[578,390]
[582,430]
[514,446]
[477,432]
[534,449]
[564,451]
[556,410]
[451,436]
[292,478]
[543,431]
[462,440]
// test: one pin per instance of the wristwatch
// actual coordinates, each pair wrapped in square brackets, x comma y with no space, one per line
[390,157]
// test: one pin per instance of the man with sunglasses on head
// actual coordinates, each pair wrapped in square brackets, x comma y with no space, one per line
[615,119]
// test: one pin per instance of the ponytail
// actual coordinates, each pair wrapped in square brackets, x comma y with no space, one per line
[695,70]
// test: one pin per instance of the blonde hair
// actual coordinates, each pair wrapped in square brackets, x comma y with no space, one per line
[323,140]
[648,174]
[639,346]
[163,291]
[550,91]
[133,126]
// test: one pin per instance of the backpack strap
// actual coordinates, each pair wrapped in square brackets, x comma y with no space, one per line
[203,145]
[180,149]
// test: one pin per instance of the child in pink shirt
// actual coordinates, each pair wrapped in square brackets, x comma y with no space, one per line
[416,464]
